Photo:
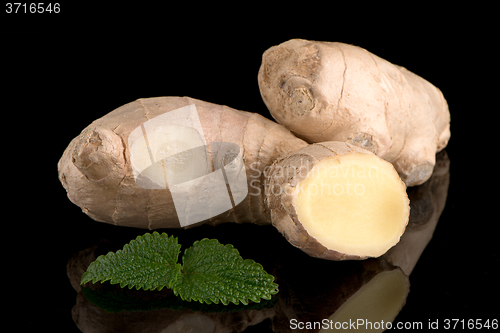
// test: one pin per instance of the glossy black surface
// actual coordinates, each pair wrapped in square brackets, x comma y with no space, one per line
[59,81]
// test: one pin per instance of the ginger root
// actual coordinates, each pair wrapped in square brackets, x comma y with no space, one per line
[325,91]
[172,162]
[337,201]
[106,173]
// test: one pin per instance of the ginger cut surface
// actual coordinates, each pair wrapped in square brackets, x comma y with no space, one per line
[337,201]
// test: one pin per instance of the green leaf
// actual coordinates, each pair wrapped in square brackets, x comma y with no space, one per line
[148,262]
[213,272]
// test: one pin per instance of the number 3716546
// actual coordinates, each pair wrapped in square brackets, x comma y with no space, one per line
[32,8]
[470,324]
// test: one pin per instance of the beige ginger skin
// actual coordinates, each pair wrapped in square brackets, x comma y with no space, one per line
[117,169]
[96,170]
[328,91]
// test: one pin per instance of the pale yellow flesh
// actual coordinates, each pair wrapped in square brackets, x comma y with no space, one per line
[378,302]
[354,204]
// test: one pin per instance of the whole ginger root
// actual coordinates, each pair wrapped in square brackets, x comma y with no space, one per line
[328,91]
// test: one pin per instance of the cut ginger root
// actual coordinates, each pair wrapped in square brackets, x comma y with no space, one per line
[172,162]
[343,202]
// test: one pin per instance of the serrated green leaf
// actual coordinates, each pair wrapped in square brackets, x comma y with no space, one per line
[149,262]
[213,272]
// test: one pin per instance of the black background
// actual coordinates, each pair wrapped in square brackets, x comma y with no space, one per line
[61,72]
